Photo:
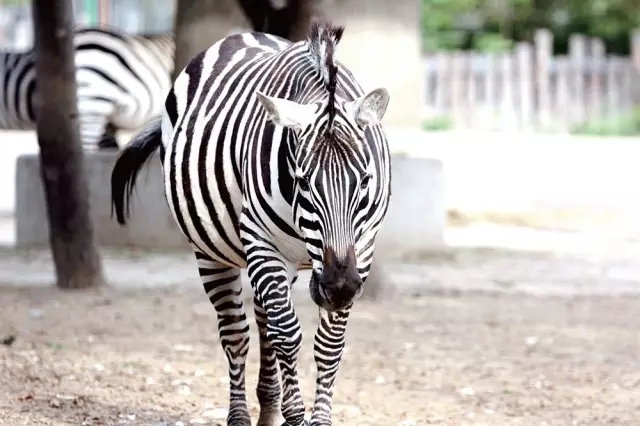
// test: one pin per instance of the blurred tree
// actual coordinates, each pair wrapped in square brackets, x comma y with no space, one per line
[493,25]
[200,23]
[75,255]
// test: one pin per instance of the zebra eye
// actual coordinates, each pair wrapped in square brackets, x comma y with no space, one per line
[365,181]
[303,184]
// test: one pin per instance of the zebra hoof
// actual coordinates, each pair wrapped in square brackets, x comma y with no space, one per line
[108,143]
[304,423]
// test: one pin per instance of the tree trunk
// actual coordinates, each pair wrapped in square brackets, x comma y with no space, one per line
[200,23]
[75,255]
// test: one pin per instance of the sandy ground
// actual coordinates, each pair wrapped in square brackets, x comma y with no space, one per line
[500,356]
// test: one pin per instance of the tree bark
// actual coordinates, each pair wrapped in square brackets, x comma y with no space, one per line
[75,255]
[200,23]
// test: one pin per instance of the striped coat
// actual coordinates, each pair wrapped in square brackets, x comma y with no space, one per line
[274,159]
[122,82]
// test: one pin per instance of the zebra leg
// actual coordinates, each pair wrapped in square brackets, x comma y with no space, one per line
[93,118]
[328,347]
[224,289]
[268,389]
[108,140]
[269,279]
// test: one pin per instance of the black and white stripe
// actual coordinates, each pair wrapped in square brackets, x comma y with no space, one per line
[122,83]
[274,160]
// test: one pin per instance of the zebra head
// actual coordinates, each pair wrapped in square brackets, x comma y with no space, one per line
[335,178]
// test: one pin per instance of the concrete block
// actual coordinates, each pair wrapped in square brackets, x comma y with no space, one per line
[415,219]
[417,215]
[150,226]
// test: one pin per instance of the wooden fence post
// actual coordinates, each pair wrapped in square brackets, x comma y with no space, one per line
[598,61]
[525,77]
[544,50]
[577,53]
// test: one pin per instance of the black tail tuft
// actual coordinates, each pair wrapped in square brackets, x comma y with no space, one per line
[128,164]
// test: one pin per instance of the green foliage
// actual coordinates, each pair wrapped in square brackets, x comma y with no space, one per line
[492,25]
[624,125]
[437,124]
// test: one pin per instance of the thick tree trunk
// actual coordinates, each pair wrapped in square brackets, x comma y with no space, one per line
[200,23]
[75,255]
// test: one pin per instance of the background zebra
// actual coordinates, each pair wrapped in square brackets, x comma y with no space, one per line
[273,159]
[122,82]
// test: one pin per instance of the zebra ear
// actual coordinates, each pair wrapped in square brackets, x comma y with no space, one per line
[287,113]
[369,109]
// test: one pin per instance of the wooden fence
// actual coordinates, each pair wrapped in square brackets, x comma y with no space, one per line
[530,88]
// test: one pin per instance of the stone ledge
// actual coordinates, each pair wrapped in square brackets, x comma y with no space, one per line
[415,220]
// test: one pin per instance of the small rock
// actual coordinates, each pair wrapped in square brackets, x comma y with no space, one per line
[407,422]
[348,409]
[224,379]
[198,422]
[184,390]
[182,348]
[409,345]
[179,423]
[65,397]
[467,392]
[98,367]
[150,381]
[177,382]
[216,413]
[380,380]
[167,368]
[91,339]
[35,313]
[531,340]
[489,411]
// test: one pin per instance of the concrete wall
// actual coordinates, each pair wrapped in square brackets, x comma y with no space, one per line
[381,46]
[415,219]
[151,224]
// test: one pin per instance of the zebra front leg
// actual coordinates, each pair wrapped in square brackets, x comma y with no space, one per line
[269,278]
[268,389]
[328,348]
[224,289]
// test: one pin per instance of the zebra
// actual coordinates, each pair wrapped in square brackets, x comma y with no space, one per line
[274,160]
[122,81]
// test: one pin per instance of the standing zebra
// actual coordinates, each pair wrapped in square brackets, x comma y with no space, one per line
[273,159]
[122,82]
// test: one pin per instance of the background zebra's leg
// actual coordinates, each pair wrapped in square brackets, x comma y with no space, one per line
[108,140]
[268,389]
[270,282]
[94,113]
[224,289]
[328,347]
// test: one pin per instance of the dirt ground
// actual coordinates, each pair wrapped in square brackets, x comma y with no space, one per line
[151,357]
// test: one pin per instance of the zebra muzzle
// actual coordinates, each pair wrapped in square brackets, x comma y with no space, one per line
[339,283]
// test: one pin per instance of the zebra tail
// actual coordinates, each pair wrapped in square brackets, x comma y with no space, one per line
[128,164]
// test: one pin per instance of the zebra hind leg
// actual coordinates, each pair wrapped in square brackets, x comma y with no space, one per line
[268,389]
[108,140]
[224,289]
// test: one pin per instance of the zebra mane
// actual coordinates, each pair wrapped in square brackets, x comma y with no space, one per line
[323,40]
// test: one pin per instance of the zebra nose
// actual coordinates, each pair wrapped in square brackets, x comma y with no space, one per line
[340,280]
